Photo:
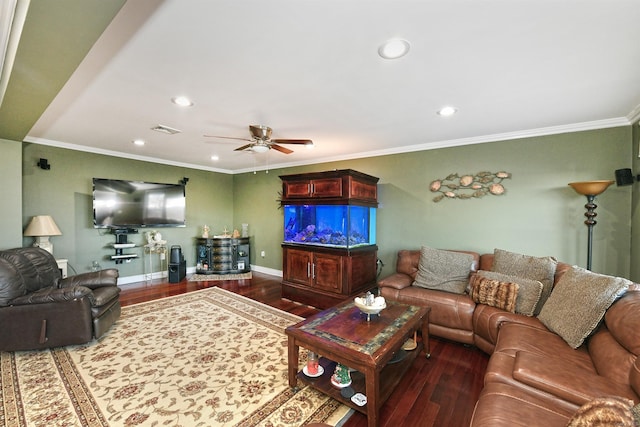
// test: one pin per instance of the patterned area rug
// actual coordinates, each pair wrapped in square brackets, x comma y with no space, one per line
[206,358]
[214,277]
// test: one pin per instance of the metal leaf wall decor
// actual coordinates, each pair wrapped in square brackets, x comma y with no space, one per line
[457,186]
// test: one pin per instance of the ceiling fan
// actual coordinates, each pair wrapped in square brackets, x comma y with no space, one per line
[261,141]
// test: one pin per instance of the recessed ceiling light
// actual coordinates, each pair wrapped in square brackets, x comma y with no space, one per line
[394,49]
[182,101]
[215,158]
[447,111]
[139,142]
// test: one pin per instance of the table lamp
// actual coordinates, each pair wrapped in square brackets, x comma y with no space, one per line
[590,189]
[41,227]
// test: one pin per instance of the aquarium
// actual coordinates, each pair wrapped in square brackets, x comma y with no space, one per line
[342,226]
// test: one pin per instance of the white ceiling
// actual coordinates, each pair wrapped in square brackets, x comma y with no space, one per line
[310,69]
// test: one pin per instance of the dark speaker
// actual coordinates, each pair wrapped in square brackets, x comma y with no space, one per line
[176,254]
[624,177]
[44,164]
[177,271]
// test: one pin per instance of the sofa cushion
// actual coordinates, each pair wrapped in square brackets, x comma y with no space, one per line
[622,320]
[515,337]
[542,269]
[493,292]
[578,303]
[529,291]
[11,283]
[448,310]
[407,262]
[610,359]
[503,405]
[444,270]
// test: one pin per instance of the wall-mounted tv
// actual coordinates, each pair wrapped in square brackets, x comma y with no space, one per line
[131,204]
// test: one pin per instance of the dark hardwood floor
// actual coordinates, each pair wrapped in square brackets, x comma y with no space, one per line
[436,392]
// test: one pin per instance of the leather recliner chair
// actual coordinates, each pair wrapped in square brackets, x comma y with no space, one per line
[40,309]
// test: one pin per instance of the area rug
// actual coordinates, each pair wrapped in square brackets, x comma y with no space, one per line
[214,277]
[206,358]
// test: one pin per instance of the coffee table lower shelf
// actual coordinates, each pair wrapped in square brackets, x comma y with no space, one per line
[390,376]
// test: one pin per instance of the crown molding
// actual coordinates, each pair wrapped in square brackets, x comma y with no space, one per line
[634,115]
[94,150]
[531,133]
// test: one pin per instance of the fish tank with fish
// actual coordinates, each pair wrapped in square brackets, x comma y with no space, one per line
[340,226]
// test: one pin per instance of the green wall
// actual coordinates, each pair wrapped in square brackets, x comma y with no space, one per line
[11,193]
[635,209]
[539,214]
[65,192]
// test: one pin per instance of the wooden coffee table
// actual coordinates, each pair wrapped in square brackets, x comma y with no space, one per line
[343,335]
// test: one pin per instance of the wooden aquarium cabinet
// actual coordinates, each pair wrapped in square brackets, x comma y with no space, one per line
[329,249]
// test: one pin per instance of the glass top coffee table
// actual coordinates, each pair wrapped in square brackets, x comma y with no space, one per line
[372,348]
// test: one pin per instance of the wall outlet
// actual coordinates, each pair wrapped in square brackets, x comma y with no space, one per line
[262,254]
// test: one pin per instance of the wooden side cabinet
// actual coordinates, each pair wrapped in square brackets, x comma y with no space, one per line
[323,277]
[222,255]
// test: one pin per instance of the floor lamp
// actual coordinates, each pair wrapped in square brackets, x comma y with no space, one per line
[590,189]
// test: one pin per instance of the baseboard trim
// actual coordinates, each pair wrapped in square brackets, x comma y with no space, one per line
[123,281]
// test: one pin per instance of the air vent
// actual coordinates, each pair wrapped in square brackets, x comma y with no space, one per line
[165,129]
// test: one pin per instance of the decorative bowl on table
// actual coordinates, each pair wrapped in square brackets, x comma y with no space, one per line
[375,307]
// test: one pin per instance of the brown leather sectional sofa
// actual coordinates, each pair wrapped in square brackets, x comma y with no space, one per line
[534,378]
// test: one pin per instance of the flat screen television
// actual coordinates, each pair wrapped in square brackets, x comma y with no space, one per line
[131,204]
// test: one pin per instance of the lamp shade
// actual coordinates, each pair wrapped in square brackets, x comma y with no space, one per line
[42,225]
[591,188]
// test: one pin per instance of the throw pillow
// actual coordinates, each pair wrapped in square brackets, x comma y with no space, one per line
[604,411]
[443,270]
[494,293]
[542,269]
[529,291]
[578,303]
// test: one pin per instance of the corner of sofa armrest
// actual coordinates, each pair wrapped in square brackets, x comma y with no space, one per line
[92,279]
[396,281]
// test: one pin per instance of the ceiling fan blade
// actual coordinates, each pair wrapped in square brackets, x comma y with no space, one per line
[281,149]
[293,141]
[227,137]
[244,147]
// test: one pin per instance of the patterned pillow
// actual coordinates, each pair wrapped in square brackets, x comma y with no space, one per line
[578,303]
[529,291]
[443,270]
[542,269]
[495,293]
[605,411]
